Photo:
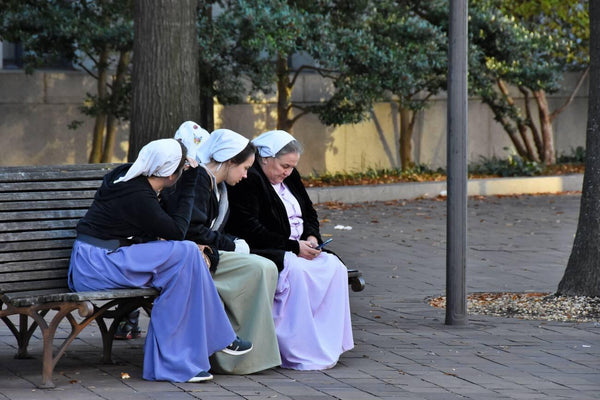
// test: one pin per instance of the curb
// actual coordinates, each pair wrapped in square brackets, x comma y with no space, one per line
[476,187]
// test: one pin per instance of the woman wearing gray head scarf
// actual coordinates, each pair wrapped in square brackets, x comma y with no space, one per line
[273,212]
[126,239]
[246,282]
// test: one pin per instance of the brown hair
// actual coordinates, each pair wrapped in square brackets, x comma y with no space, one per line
[244,154]
[183,157]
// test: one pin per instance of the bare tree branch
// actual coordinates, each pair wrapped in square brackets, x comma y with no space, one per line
[572,96]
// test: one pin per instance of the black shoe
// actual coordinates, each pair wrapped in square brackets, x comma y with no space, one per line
[238,347]
[201,377]
[127,331]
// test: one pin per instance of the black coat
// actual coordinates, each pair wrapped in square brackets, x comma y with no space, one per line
[258,215]
[132,210]
[205,209]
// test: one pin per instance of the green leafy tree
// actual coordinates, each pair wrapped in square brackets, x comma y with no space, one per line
[395,55]
[547,38]
[369,51]
[582,275]
[524,52]
[259,38]
[96,36]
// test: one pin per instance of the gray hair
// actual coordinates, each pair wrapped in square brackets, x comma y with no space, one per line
[292,147]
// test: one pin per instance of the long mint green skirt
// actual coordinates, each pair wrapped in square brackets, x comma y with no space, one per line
[246,284]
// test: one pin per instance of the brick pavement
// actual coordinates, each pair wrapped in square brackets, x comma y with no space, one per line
[403,349]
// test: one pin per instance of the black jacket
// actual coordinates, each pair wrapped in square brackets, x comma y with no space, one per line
[258,215]
[204,211]
[132,210]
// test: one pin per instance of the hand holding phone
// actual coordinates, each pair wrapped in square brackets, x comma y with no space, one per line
[319,247]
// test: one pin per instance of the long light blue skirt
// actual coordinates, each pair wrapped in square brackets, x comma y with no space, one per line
[188,321]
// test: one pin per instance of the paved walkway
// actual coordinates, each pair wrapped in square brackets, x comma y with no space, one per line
[403,349]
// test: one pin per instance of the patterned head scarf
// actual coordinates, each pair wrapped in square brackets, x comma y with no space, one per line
[192,136]
[157,158]
[222,145]
[269,143]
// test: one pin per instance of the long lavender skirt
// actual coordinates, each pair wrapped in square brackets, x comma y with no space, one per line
[188,321]
[312,312]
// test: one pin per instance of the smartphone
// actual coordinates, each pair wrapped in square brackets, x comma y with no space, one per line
[325,243]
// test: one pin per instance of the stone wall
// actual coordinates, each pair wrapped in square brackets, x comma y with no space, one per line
[36,109]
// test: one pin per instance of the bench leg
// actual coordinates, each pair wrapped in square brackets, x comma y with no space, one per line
[123,308]
[22,335]
[357,284]
[355,280]
[64,310]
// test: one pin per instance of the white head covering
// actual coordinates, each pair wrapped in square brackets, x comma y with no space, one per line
[269,143]
[157,158]
[192,136]
[222,145]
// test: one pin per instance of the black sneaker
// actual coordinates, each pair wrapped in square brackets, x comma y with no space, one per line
[127,331]
[201,377]
[238,347]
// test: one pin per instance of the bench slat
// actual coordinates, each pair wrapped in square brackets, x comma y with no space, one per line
[59,263]
[9,197]
[55,173]
[9,287]
[37,235]
[36,255]
[23,276]
[57,208]
[44,213]
[25,299]
[37,225]
[49,185]
[38,244]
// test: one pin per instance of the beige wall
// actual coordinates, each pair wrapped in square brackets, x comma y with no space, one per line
[36,109]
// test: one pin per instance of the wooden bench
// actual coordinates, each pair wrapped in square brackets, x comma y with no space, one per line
[39,209]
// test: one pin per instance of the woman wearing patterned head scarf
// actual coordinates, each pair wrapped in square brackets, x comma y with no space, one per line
[126,239]
[273,212]
[245,282]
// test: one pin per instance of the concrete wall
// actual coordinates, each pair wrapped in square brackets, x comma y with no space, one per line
[36,109]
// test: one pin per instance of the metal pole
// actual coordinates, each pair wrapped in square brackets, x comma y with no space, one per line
[456,228]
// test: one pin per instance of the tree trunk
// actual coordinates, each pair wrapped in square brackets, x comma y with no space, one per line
[582,275]
[406,131]
[207,112]
[111,119]
[165,70]
[100,122]
[537,138]
[284,93]
[548,155]
[523,147]
[207,102]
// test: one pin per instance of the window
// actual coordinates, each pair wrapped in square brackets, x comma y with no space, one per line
[12,55]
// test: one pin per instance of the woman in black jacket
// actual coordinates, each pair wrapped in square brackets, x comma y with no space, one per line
[126,239]
[273,213]
[246,282]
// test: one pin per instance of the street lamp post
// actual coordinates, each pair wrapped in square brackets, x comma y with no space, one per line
[456,228]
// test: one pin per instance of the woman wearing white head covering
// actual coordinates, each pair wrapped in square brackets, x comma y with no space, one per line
[273,212]
[126,239]
[245,282]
